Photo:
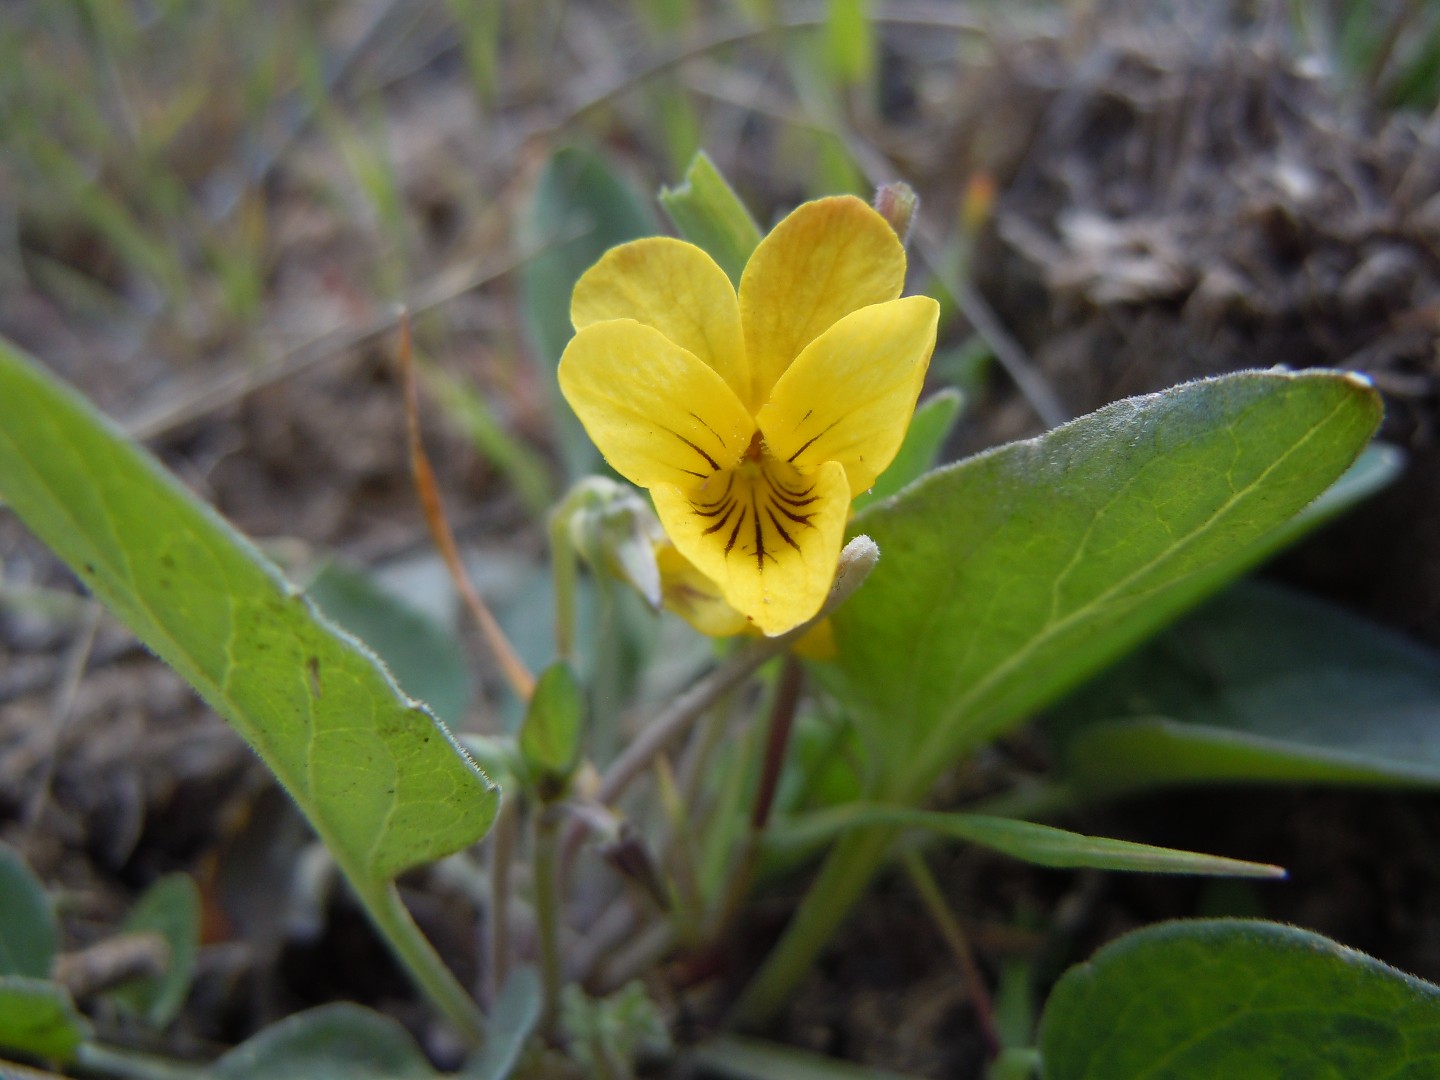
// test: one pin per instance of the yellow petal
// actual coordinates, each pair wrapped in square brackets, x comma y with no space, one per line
[828,258]
[657,413]
[850,395]
[694,597]
[676,288]
[768,535]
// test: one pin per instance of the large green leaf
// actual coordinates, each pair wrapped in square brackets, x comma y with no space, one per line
[1218,1000]
[580,209]
[333,1042]
[1262,683]
[423,656]
[384,784]
[28,929]
[1005,579]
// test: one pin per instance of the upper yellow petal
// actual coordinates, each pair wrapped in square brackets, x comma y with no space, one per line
[850,395]
[826,259]
[768,535]
[657,413]
[676,288]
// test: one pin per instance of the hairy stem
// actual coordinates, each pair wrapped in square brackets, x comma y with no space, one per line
[387,911]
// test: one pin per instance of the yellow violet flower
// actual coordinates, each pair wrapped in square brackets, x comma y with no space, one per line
[755,419]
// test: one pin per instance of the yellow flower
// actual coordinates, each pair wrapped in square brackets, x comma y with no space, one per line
[754,420]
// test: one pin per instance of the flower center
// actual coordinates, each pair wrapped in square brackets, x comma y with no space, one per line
[758,509]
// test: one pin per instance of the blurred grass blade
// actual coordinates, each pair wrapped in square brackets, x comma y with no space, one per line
[479,25]
[1043,845]
[849,42]
[382,782]
[524,469]
[708,213]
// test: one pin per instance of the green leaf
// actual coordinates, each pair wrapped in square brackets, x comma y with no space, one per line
[1008,577]
[580,210]
[1043,845]
[333,1042]
[517,1011]
[930,427]
[425,660]
[550,735]
[739,1058]
[28,930]
[382,782]
[1261,684]
[38,1018]
[171,908]
[1217,1000]
[708,213]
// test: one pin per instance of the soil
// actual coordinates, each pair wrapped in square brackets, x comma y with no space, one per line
[1172,204]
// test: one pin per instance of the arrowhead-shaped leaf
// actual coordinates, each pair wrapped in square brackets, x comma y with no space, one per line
[1006,578]
[380,779]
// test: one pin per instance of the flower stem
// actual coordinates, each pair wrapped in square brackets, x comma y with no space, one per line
[547,913]
[502,859]
[842,879]
[930,895]
[387,911]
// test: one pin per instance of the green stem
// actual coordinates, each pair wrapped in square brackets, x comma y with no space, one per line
[566,575]
[547,912]
[387,911]
[503,840]
[842,879]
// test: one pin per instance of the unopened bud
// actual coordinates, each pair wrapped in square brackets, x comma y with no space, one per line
[628,854]
[897,203]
